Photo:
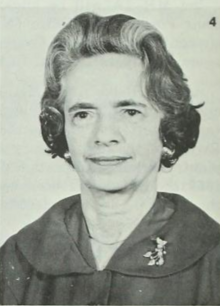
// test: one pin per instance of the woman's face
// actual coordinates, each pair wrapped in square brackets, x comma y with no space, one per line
[112,130]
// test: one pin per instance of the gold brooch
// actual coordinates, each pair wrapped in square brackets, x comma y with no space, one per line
[157,256]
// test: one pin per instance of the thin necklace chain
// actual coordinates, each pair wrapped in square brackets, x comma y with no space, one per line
[92,238]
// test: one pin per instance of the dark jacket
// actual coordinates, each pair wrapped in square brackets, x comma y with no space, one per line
[50,261]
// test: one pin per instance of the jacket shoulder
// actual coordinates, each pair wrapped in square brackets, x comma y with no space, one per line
[15,267]
[193,227]
[55,213]
[13,273]
[194,214]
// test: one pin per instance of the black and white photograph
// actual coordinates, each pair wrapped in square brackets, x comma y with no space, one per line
[110,152]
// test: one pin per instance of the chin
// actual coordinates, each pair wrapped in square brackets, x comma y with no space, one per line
[111,185]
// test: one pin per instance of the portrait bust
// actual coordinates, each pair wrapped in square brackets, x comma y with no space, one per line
[117,108]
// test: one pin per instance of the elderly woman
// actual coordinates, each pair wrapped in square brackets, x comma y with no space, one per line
[117,108]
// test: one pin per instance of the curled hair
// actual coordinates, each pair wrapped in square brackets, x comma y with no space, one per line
[164,84]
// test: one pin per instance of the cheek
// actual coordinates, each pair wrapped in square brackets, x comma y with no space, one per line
[146,141]
[77,140]
[73,140]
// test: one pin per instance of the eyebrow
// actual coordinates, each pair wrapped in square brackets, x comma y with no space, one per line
[86,105]
[129,103]
[81,105]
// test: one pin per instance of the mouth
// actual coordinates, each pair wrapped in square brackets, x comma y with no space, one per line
[109,160]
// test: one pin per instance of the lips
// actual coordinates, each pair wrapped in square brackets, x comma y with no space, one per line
[109,160]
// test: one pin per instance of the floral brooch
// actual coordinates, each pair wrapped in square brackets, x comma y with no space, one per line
[157,256]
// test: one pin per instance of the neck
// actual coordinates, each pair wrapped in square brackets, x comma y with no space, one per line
[112,216]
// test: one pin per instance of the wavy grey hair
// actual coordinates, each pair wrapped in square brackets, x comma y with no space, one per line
[164,83]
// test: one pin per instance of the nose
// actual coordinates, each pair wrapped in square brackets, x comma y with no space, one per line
[107,132]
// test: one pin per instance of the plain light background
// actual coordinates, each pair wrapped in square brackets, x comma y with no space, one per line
[31,181]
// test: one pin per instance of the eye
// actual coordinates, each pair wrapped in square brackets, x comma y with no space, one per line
[132,112]
[83,118]
[81,115]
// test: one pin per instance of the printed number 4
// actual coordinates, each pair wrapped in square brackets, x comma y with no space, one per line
[213,21]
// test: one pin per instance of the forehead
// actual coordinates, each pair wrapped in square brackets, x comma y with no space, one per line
[109,75]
